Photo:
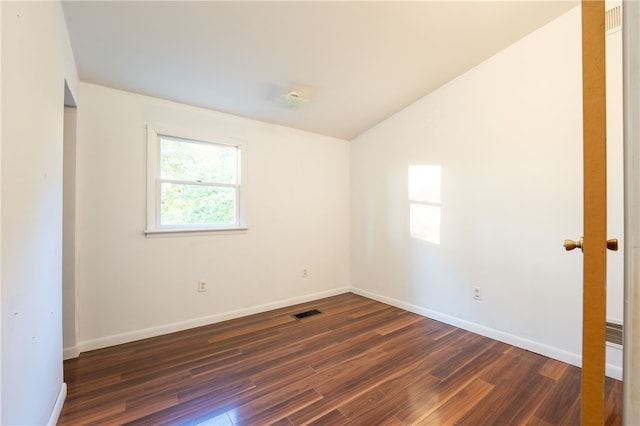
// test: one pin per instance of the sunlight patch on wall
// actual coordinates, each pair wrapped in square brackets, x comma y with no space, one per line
[424,202]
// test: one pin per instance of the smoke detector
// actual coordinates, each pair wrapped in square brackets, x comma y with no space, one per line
[293,100]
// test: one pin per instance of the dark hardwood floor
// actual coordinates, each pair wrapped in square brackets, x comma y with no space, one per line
[359,362]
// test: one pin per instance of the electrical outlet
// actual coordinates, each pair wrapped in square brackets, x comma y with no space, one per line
[202,286]
[477,293]
[305,273]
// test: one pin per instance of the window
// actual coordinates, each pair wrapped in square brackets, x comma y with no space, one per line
[193,184]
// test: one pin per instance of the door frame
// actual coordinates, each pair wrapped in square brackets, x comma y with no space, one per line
[631,102]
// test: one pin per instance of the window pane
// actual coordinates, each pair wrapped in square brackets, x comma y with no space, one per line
[197,205]
[198,162]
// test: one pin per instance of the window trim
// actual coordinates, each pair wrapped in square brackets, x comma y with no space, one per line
[153,226]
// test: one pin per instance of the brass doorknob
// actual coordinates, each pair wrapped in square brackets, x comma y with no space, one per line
[570,244]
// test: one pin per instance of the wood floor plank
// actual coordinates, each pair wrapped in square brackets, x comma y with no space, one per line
[269,408]
[359,362]
[204,406]
[535,421]
[367,309]
[456,407]
[135,411]
[363,403]
[123,390]
[219,420]
[398,392]
[425,401]
[613,403]
[392,421]
[553,369]
[509,406]
[563,395]
[399,323]
[252,329]
[332,418]
[95,414]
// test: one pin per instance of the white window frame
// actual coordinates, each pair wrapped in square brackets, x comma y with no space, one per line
[154,225]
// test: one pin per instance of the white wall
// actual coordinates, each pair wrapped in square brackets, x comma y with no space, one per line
[36,61]
[69,231]
[131,286]
[1,316]
[615,186]
[631,82]
[508,135]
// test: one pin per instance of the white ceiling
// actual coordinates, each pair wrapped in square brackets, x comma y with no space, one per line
[357,61]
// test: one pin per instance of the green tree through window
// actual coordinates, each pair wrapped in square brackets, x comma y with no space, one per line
[198,182]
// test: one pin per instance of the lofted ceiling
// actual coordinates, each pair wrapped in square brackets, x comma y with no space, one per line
[353,63]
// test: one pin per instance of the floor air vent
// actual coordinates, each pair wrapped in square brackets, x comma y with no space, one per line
[306,314]
[613,19]
[614,333]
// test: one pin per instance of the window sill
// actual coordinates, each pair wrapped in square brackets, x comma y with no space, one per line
[158,233]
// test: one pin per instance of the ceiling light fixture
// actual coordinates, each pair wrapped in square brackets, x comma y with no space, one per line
[293,100]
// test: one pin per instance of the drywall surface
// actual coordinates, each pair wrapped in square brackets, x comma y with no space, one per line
[631,83]
[615,176]
[36,61]
[130,285]
[508,138]
[69,231]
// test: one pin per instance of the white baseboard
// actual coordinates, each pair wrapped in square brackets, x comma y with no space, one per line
[612,370]
[71,352]
[615,354]
[57,407]
[118,339]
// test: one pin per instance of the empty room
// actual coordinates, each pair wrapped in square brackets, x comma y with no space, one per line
[319,212]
